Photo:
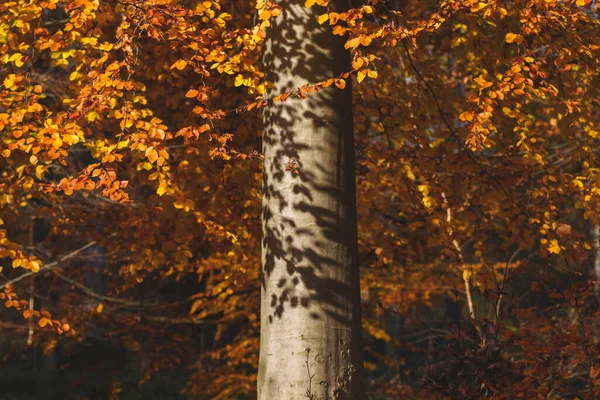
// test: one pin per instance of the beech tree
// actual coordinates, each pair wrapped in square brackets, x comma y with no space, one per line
[310,344]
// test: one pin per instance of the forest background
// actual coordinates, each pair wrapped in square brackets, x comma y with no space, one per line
[130,195]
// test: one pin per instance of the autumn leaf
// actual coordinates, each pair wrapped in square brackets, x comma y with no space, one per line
[353,43]
[563,230]
[361,75]
[179,64]
[34,266]
[152,154]
[513,37]
[482,82]
[466,275]
[554,247]
[340,83]
[466,116]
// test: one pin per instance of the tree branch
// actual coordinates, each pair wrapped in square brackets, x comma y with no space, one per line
[50,265]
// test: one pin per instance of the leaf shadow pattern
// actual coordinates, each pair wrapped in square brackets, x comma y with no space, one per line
[309,276]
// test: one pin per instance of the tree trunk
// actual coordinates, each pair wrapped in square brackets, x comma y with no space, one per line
[311,312]
[596,247]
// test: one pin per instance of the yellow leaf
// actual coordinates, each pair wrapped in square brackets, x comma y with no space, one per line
[239,80]
[466,275]
[361,75]
[39,171]
[9,81]
[323,18]
[57,142]
[191,93]
[372,74]
[309,3]
[18,61]
[99,308]
[34,266]
[554,247]
[179,64]
[510,37]
[513,37]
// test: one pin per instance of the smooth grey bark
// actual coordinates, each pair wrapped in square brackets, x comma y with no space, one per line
[596,246]
[310,344]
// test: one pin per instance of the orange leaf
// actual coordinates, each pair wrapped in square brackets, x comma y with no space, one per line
[466,116]
[353,43]
[152,154]
[179,64]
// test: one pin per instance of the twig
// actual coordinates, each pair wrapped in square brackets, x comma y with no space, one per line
[503,287]
[465,276]
[50,265]
[95,295]
[309,395]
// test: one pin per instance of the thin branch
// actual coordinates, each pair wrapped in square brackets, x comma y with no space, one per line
[503,287]
[91,293]
[50,265]
[466,277]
